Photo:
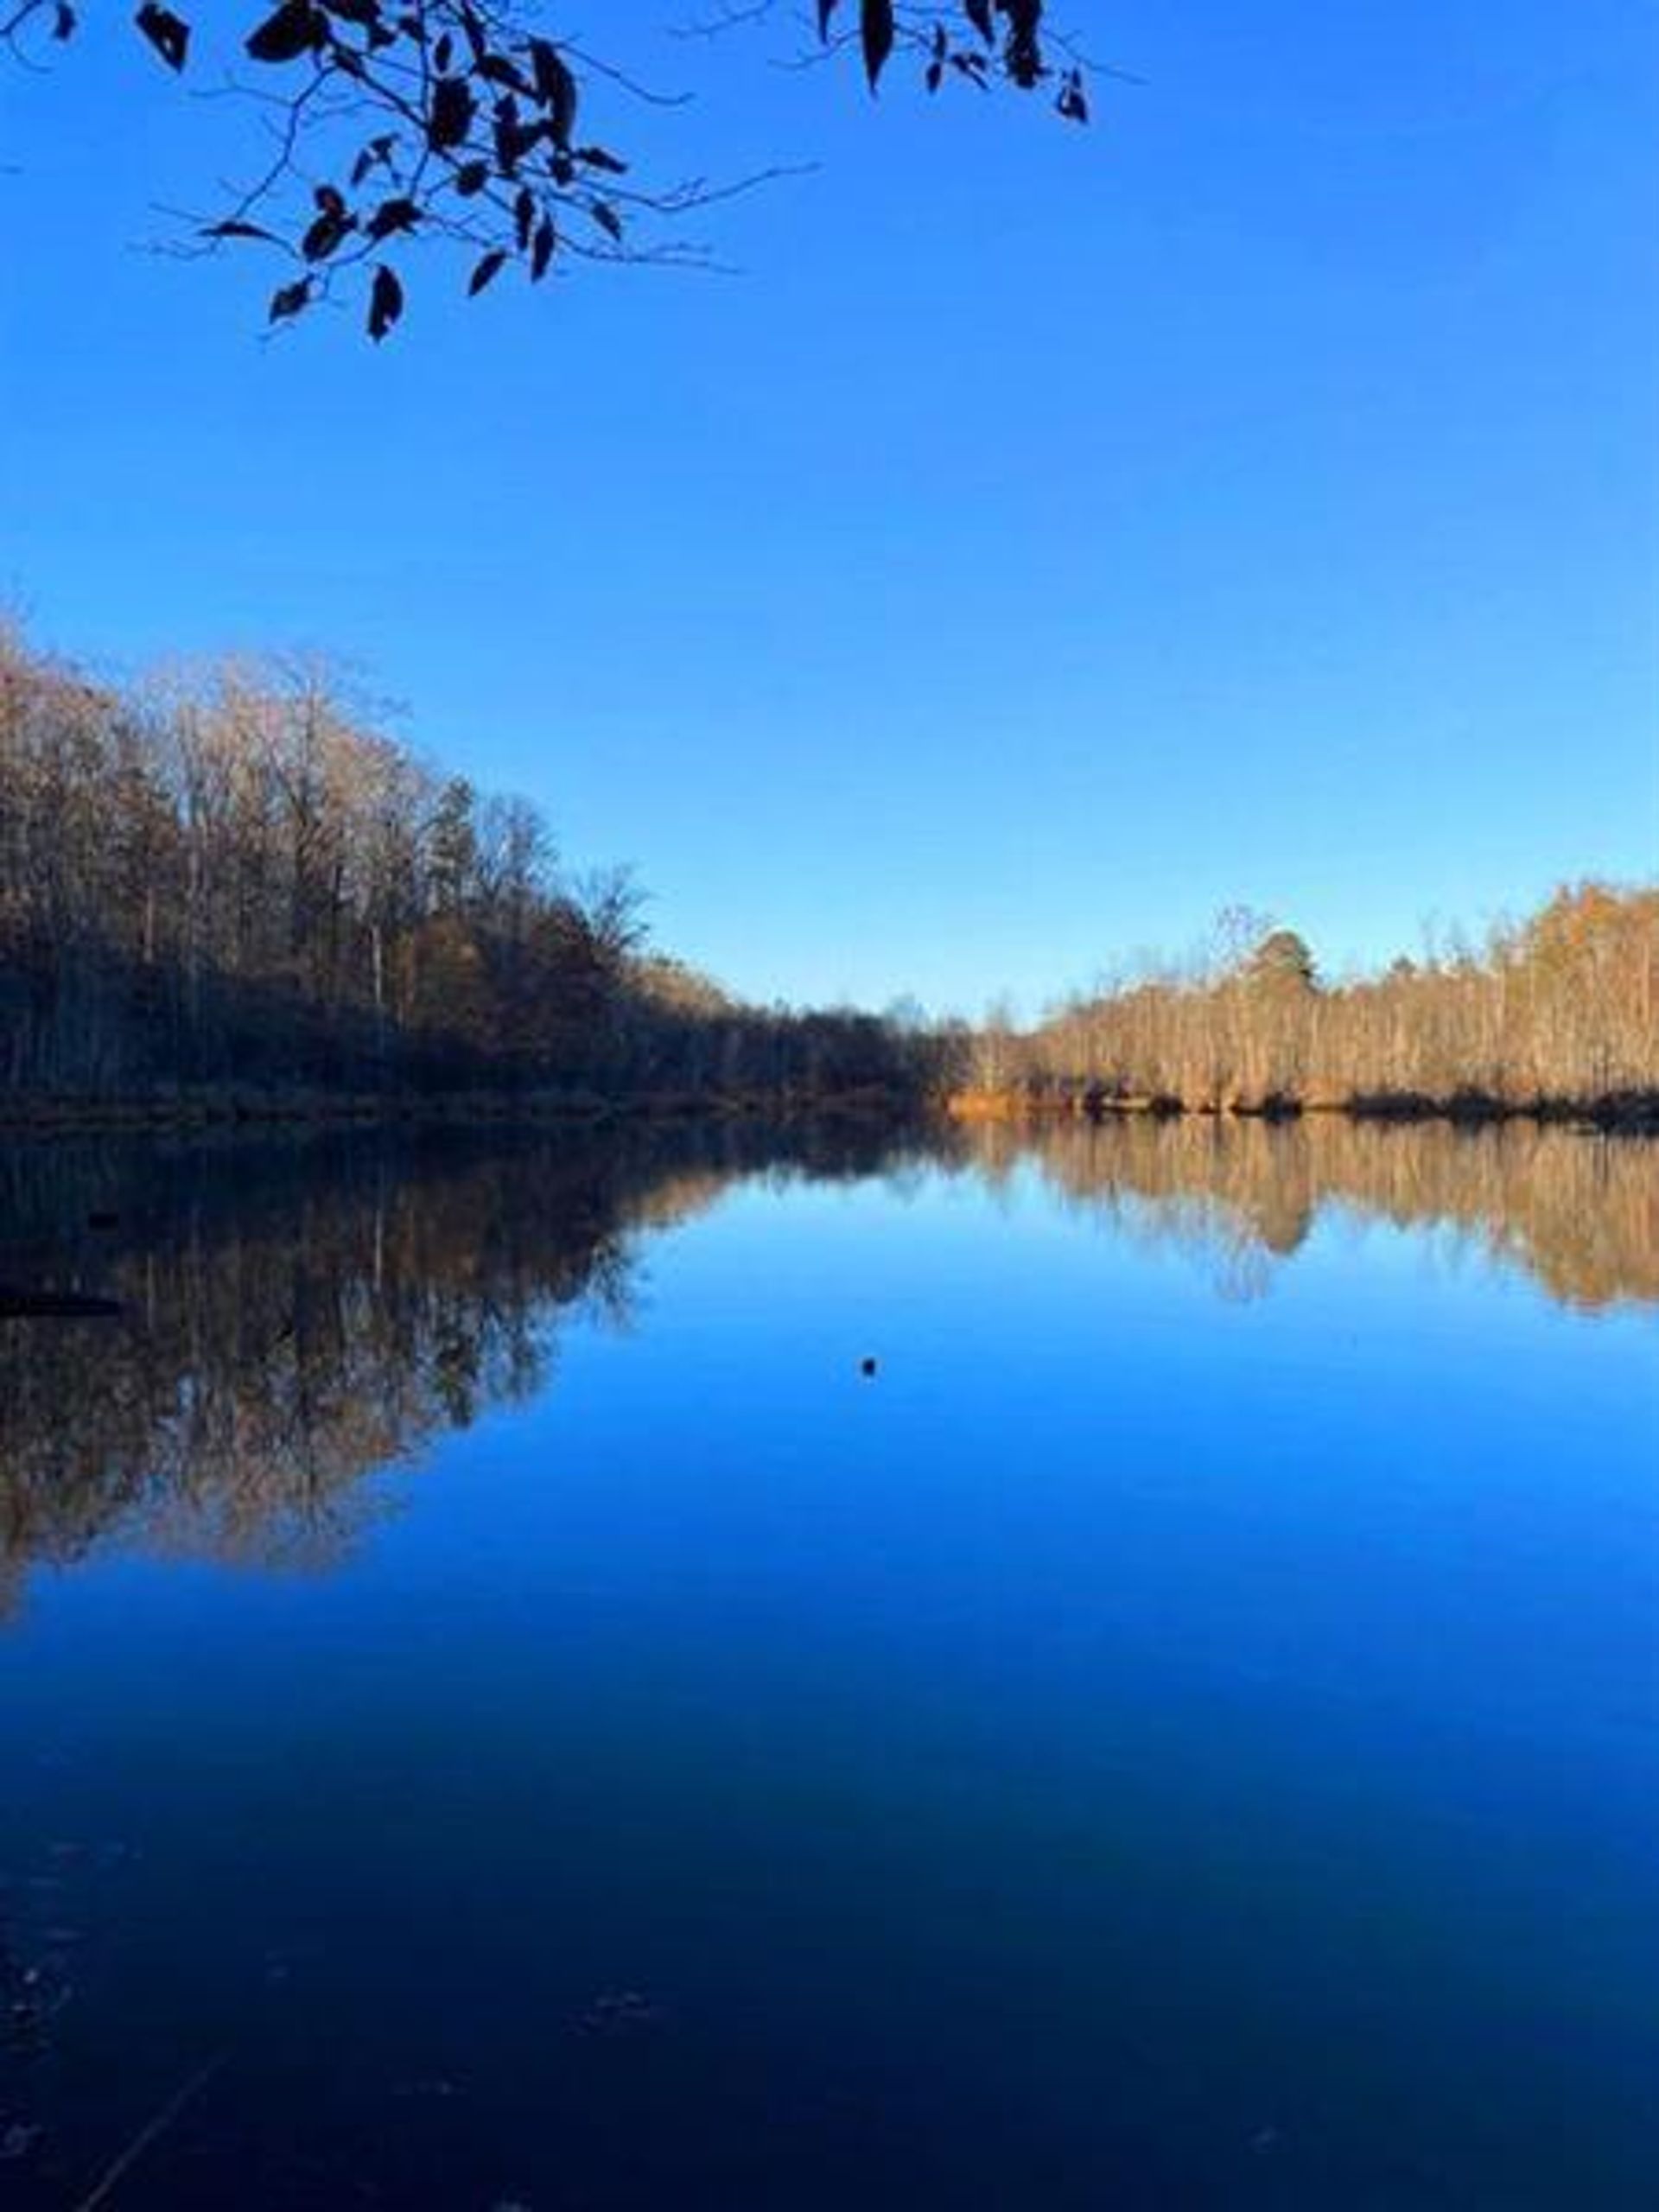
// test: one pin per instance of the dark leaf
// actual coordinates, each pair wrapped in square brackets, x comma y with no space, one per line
[1025,64]
[290,299]
[875,28]
[471,179]
[979,15]
[63,20]
[556,88]
[496,69]
[1073,102]
[292,31]
[514,140]
[169,37]
[330,199]
[375,154]
[486,271]
[541,251]
[934,75]
[607,218]
[385,302]
[524,216]
[450,116]
[324,235]
[364,13]
[826,8]
[392,216]
[597,158]
[443,52]
[509,134]
[234,228]
[1023,55]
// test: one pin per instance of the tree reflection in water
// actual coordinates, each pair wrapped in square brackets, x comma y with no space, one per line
[1577,1211]
[296,1316]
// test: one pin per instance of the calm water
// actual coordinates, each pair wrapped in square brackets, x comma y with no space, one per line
[497,1710]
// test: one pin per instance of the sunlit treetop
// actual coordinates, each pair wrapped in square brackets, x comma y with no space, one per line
[387,124]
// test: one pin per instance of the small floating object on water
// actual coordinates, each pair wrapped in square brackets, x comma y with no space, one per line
[866,1366]
[55,1305]
[1263,2140]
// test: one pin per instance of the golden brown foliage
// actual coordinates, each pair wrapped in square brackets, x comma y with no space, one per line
[1559,1011]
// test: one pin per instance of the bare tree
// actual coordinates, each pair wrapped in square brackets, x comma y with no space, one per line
[236,877]
[1552,1012]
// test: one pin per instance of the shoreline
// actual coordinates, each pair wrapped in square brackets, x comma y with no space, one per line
[1620,1114]
[219,1108]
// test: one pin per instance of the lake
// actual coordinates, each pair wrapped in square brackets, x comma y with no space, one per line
[500,1709]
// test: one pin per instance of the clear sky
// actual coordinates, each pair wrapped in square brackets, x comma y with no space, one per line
[1048,537]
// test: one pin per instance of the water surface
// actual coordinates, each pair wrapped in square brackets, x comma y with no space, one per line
[498,1709]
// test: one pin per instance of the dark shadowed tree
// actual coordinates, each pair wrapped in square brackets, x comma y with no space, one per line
[236,879]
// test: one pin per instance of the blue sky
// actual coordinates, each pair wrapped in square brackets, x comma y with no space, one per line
[1048,537]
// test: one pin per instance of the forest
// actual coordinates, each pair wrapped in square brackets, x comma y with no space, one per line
[238,892]
[1553,1014]
[238,886]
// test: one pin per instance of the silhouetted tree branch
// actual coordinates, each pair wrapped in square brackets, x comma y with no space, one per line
[476,125]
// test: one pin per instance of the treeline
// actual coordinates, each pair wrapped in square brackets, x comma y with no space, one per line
[240,889]
[1555,1013]
[241,880]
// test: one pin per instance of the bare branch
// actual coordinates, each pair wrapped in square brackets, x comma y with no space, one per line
[466,123]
